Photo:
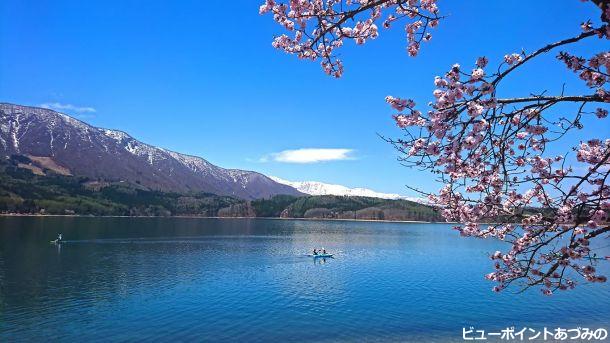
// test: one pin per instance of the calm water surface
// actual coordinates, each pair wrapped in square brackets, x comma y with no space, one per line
[135,279]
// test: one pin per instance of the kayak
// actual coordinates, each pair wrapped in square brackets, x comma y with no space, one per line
[320,255]
[56,241]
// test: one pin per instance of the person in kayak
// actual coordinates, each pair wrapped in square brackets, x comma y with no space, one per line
[323,251]
[60,237]
[315,251]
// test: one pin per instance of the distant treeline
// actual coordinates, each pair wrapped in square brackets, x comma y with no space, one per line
[27,190]
[344,207]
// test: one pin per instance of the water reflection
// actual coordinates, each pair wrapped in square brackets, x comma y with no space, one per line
[194,279]
[322,260]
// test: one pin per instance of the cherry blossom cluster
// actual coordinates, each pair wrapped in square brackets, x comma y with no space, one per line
[595,71]
[491,154]
[318,27]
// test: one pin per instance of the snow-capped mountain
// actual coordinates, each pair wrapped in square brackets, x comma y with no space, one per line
[320,188]
[110,155]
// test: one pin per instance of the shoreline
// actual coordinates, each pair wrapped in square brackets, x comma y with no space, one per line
[202,217]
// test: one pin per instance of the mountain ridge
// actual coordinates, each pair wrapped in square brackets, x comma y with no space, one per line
[322,188]
[115,155]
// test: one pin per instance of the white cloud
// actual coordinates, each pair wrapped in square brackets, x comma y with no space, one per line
[67,107]
[307,155]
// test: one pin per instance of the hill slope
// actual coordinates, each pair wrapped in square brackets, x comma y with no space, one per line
[109,155]
[28,187]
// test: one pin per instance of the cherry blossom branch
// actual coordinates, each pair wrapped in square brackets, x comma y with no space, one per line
[329,22]
[478,146]
[554,99]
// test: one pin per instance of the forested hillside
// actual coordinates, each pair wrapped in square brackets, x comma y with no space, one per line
[29,187]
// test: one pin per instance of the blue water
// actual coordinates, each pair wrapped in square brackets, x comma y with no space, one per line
[180,279]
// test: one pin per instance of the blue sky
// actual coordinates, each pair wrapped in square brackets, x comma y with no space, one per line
[201,77]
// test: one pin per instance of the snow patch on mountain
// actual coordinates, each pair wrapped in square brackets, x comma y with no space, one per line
[117,135]
[320,188]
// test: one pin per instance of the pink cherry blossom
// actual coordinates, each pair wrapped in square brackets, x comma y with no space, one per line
[486,160]
[317,28]
[512,58]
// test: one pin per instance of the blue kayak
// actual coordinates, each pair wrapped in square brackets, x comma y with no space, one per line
[320,255]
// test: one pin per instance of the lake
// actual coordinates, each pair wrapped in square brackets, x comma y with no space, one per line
[218,280]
